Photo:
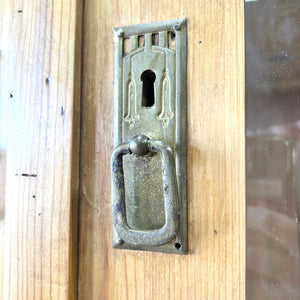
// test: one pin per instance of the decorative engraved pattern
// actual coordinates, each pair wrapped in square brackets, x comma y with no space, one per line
[151,52]
[166,112]
[163,120]
[132,114]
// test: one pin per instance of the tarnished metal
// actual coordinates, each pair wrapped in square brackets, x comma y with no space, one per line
[150,99]
[145,237]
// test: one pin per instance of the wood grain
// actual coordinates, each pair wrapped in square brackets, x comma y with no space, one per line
[40,100]
[4,20]
[215,265]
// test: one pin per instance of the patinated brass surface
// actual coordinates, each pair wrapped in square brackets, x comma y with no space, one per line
[126,233]
[155,59]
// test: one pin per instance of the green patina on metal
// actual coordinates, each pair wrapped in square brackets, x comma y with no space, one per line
[149,161]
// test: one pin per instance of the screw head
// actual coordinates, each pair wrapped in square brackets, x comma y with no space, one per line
[118,241]
[139,145]
[120,33]
[177,27]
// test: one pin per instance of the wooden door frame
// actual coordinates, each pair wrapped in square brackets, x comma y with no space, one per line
[57,86]
[40,113]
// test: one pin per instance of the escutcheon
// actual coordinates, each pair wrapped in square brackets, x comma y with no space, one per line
[149,159]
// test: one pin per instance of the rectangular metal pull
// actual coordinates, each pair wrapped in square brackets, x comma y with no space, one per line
[149,160]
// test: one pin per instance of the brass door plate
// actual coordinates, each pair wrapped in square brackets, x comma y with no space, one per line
[150,100]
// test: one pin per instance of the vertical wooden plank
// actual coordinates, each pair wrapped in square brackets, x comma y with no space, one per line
[215,265]
[41,57]
[4,20]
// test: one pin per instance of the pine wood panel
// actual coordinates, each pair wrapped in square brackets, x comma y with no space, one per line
[3,133]
[40,65]
[215,265]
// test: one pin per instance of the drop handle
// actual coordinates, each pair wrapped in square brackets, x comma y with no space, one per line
[141,145]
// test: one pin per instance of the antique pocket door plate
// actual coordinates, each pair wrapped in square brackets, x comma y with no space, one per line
[149,158]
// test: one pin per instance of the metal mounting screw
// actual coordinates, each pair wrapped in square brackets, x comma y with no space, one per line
[119,241]
[177,27]
[120,33]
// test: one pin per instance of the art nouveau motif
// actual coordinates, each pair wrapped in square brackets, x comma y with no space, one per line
[166,112]
[131,114]
[154,54]
[150,105]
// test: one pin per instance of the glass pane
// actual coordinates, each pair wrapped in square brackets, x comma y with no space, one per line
[273,148]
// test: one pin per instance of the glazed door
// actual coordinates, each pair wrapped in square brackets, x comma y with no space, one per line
[57,138]
[215,265]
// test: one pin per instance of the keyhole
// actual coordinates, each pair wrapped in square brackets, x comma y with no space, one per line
[148,77]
